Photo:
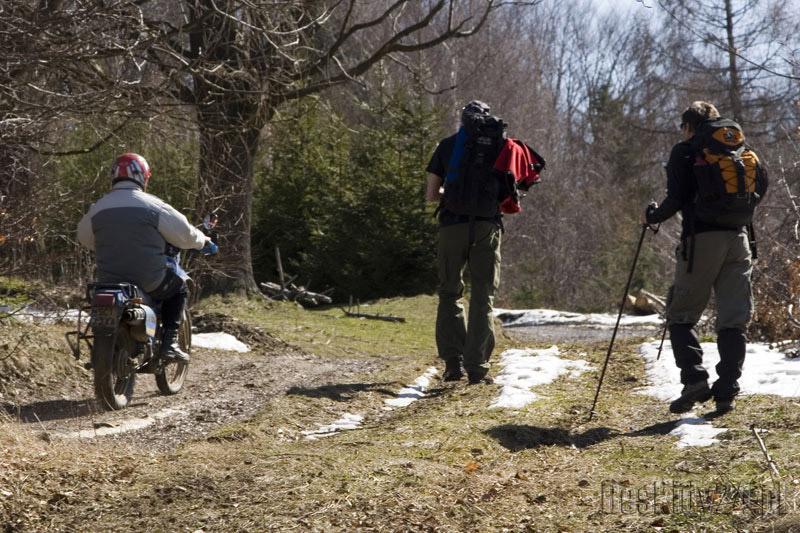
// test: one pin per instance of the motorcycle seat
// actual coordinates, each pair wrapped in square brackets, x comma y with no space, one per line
[130,290]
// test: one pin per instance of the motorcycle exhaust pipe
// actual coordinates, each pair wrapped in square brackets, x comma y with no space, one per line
[134,316]
[141,321]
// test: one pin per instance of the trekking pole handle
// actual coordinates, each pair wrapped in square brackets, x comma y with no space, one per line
[652,227]
[650,208]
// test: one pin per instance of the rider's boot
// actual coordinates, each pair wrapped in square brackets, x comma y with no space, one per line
[170,349]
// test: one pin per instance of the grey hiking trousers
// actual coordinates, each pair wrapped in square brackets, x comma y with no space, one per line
[722,262]
[472,340]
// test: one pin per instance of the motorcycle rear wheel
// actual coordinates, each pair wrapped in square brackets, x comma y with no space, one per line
[172,375]
[114,375]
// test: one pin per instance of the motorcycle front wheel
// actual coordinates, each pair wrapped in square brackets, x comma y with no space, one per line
[114,373]
[172,375]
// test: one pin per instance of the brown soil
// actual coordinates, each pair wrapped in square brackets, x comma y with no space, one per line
[250,335]
[221,387]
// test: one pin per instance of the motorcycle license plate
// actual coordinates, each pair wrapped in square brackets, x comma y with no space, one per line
[103,317]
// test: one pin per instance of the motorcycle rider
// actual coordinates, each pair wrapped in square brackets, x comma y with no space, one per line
[128,229]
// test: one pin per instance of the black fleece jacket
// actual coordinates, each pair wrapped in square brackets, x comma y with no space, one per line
[681,191]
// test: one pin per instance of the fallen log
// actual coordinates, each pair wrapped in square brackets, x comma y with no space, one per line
[647,303]
[294,293]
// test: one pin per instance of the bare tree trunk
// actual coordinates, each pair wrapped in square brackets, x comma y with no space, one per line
[734,91]
[227,152]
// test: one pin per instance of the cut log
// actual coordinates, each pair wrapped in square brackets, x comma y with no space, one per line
[647,303]
[294,293]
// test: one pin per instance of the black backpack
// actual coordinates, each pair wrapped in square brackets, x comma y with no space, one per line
[730,179]
[472,186]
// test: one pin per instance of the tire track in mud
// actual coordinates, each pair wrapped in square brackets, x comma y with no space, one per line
[222,387]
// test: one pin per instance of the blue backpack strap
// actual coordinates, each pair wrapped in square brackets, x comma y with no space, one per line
[454,165]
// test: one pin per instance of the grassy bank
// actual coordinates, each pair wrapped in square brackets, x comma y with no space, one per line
[448,462]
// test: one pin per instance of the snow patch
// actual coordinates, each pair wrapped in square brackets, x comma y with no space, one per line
[528,368]
[39,316]
[348,421]
[415,391]
[696,431]
[765,371]
[219,341]
[541,317]
[122,426]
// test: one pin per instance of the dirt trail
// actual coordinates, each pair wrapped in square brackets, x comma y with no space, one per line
[579,333]
[221,387]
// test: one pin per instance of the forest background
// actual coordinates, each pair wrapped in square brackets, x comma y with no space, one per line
[307,126]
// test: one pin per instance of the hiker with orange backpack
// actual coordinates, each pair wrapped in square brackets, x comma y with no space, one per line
[481,171]
[716,181]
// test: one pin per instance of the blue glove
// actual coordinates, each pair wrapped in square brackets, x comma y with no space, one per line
[210,248]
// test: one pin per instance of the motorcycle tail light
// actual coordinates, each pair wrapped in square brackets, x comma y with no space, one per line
[104,300]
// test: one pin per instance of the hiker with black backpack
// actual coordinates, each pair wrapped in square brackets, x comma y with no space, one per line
[481,171]
[716,181]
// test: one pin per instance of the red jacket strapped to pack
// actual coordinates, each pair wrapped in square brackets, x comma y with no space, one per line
[524,164]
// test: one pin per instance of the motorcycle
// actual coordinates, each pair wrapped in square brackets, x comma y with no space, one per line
[123,335]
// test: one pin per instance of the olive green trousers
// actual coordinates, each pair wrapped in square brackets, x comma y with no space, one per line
[472,339]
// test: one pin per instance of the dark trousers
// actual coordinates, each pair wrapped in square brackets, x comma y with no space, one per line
[456,336]
[172,292]
[731,344]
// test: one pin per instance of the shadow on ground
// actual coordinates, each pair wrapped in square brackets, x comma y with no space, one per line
[518,437]
[47,410]
[342,392]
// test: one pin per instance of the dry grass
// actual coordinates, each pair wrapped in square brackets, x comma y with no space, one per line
[447,463]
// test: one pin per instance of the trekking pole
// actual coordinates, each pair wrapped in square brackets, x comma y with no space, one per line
[645,227]
[663,336]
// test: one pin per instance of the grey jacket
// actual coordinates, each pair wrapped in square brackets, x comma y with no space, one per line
[128,230]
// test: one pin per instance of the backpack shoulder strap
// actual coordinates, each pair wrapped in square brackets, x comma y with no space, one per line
[454,165]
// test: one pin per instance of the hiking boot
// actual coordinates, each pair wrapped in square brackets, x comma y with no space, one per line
[477,379]
[452,370]
[170,349]
[725,406]
[693,393]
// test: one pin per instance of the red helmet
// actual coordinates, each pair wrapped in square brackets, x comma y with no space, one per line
[131,167]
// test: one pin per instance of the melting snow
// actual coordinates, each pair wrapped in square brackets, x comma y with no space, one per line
[415,391]
[219,341]
[405,396]
[696,431]
[765,371]
[524,369]
[39,316]
[541,317]
[347,422]
[122,426]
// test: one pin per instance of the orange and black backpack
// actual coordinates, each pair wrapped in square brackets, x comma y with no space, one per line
[730,178]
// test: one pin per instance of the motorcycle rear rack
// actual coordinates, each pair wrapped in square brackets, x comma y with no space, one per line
[80,334]
[75,337]
[129,289]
